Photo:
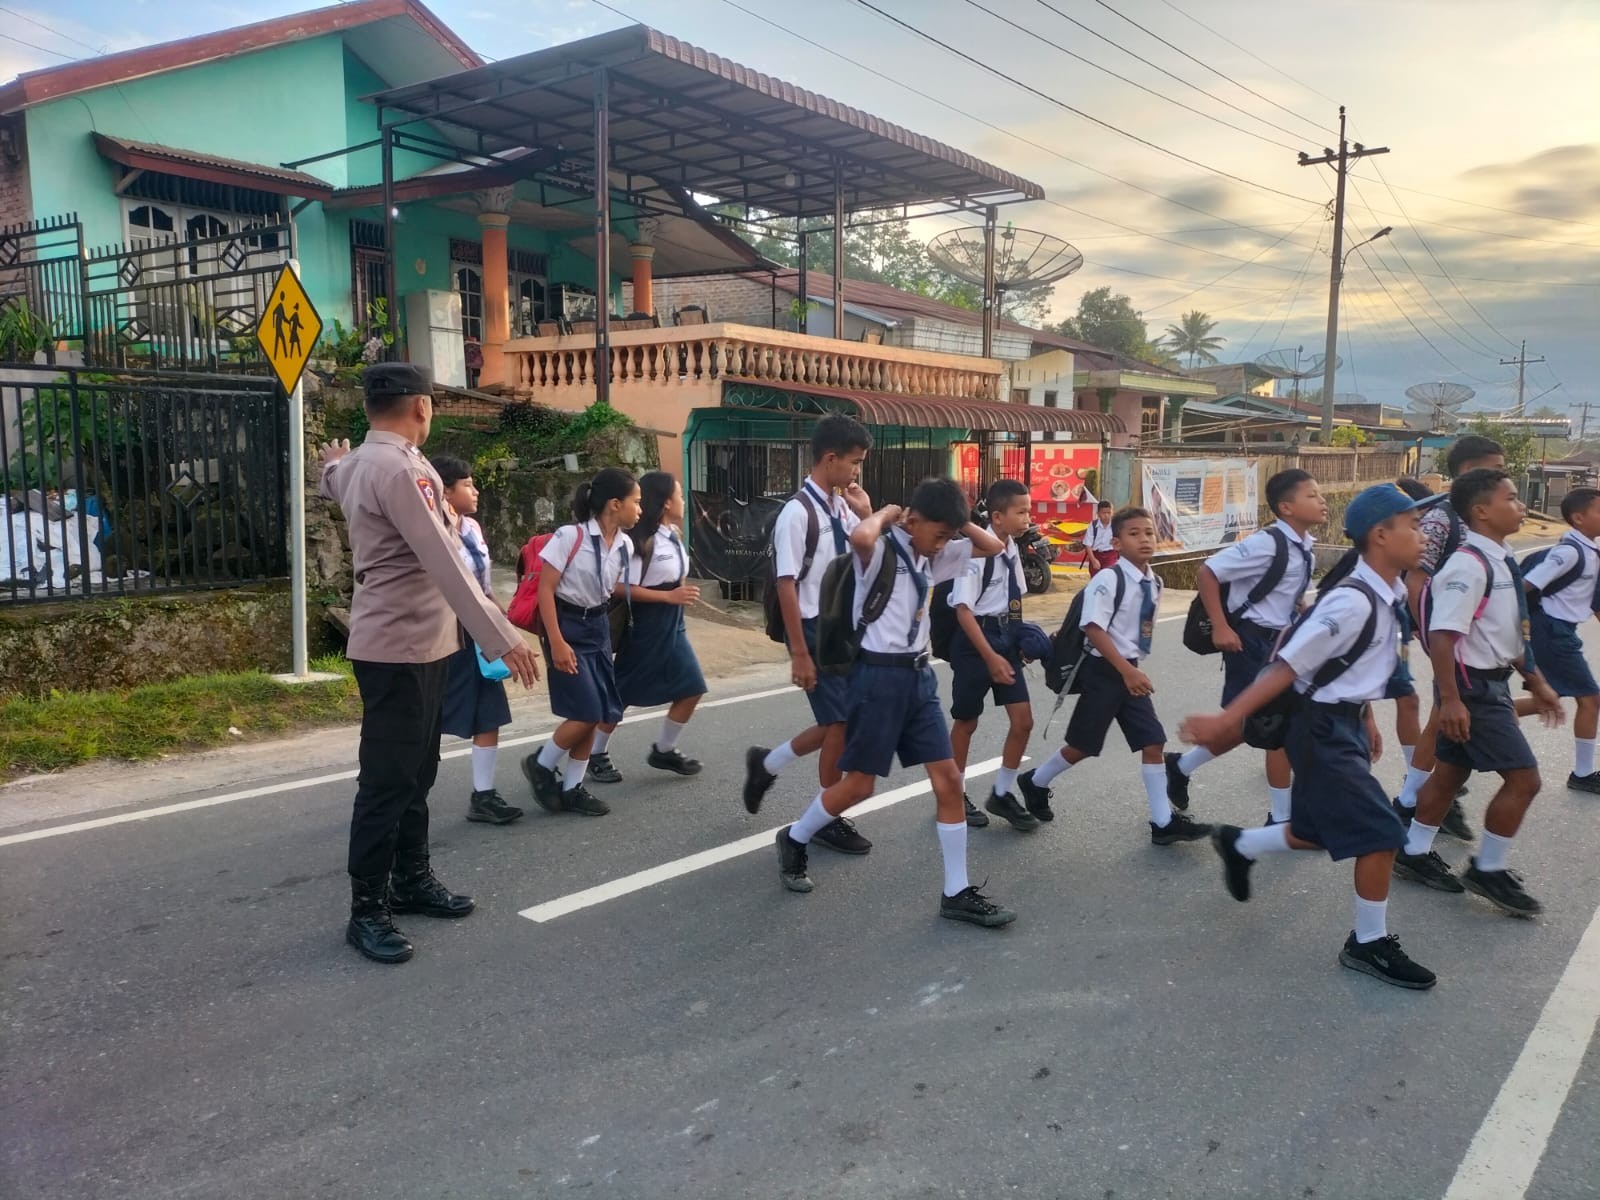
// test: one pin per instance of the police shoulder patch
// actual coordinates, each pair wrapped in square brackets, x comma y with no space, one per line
[425,486]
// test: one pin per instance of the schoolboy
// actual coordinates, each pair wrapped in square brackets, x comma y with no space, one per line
[1249,625]
[985,658]
[1098,553]
[836,503]
[1475,630]
[1561,596]
[1110,685]
[1331,738]
[894,697]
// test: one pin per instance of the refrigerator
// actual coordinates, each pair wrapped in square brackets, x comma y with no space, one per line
[433,335]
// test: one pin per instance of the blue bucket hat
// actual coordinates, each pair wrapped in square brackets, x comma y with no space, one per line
[1375,505]
[1032,642]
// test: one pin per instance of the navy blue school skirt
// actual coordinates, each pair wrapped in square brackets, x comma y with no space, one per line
[591,695]
[656,664]
[472,704]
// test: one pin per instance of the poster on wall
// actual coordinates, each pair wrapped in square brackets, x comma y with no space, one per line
[1200,503]
[1060,482]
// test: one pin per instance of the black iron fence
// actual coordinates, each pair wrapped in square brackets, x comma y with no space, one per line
[41,269]
[133,482]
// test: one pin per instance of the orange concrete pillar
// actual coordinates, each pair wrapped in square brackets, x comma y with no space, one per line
[643,252]
[493,219]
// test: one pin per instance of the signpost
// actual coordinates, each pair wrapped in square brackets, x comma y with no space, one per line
[288,332]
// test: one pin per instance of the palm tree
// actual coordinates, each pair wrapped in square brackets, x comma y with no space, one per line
[1194,338]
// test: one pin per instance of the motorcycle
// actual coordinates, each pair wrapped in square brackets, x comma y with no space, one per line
[1035,551]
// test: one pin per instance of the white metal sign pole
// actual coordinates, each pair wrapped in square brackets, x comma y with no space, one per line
[299,666]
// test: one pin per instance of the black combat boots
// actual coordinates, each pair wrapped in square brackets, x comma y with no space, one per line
[413,888]
[371,930]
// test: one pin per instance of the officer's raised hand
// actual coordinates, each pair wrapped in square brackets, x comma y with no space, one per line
[332,452]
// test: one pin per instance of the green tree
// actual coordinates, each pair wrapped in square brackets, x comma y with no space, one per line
[1517,443]
[1193,336]
[1108,321]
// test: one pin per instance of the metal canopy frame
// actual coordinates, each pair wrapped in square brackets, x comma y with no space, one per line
[637,102]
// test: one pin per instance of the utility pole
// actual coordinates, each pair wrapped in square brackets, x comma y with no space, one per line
[1341,160]
[1583,421]
[1521,362]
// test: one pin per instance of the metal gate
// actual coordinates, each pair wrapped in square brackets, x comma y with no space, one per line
[41,266]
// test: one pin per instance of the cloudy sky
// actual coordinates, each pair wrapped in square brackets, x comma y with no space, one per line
[1492,185]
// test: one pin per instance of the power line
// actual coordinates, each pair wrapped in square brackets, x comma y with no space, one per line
[35,46]
[1454,366]
[1214,282]
[1298,284]
[1514,212]
[66,37]
[1258,58]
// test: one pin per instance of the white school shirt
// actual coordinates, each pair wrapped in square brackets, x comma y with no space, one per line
[668,561]
[789,542]
[586,583]
[1493,640]
[995,600]
[891,633]
[1332,629]
[475,553]
[1244,563]
[1575,601]
[1099,606]
[1099,538]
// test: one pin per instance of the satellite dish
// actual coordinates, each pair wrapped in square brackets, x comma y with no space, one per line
[1295,365]
[1433,405]
[1024,259]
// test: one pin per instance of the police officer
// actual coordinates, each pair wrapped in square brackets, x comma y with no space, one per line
[411,590]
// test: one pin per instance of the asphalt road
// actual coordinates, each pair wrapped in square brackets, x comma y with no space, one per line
[183,1019]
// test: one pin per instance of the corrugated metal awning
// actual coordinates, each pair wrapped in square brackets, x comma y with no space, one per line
[959,412]
[212,168]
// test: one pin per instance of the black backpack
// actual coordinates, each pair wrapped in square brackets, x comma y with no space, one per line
[771,610]
[1268,728]
[1069,646]
[1562,581]
[1197,625]
[942,620]
[838,633]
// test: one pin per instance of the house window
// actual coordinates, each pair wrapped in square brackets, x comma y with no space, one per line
[1020,395]
[528,274]
[1150,421]
[466,271]
[368,268]
[1050,400]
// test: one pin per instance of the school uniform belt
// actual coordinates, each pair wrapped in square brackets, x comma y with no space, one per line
[1265,631]
[1340,708]
[876,659]
[992,620]
[577,610]
[1498,674]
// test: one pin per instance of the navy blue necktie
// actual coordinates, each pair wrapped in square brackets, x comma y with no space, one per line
[839,541]
[919,581]
[1147,615]
[1013,590]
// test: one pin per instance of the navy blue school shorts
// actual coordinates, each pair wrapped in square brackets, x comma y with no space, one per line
[970,683]
[1494,740]
[1336,803]
[893,711]
[1400,683]
[1103,698]
[1558,650]
[830,699]
[590,696]
[1239,670]
[472,704]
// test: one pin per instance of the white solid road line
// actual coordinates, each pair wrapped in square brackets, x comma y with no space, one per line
[293,785]
[1504,1154]
[577,901]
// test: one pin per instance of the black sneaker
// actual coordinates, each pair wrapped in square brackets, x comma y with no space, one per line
[1455,823]
[1585,783]
[1179,829]
[1503,889]
[1036,797]
[583,802]
[1406,815]
[1009,809]
[491,808]
[972,906]
[792,863]
[1235,866]
[674,761]
[602,769]
[1383,959]
[546,784]
[840,835]
[1427,869]
[976,817]
[758,780]
[1177,783]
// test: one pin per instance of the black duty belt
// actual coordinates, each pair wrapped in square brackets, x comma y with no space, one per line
[874,659]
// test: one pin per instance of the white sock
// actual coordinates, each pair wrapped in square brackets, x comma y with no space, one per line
[1269,839]
[550,755]
[1049,769]
[778,758]
[1492,851]
[602,739]
[1371,922]
[1194,759]
[1005,779]
[483,767]
[671,731]
[813,819]
[1415,778]
[1419,839]
[572,773]
[1280,802]
[1408,753]
[953,846]
[1583,756]
[1155,793]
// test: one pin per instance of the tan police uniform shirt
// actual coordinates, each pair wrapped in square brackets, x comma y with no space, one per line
[411,585]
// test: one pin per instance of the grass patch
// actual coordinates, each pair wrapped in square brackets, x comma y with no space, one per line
[68,728]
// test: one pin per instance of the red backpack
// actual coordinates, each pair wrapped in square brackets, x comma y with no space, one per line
[523,611]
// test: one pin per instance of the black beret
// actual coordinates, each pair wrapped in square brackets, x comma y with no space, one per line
[384,380]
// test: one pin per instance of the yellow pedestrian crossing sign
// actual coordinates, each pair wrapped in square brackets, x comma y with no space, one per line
[289,329]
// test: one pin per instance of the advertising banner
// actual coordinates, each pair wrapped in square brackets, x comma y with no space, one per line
[1200,503]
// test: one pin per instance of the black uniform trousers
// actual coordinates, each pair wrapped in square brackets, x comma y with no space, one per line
[401,707]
